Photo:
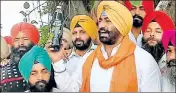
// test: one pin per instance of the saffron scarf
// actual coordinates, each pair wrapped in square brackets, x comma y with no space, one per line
[124,76]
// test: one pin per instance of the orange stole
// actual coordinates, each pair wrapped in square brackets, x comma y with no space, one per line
[124,76]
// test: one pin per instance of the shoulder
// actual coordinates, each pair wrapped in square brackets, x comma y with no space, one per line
[143,58]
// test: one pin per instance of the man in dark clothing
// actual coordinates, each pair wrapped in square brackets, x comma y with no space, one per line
[24,37]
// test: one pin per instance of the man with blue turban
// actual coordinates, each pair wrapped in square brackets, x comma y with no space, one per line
[36,68]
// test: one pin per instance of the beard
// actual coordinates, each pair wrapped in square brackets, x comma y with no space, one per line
[137,21]
[41,86]
[82,45]
[156,51]
[171,71]
[108,37]
[18,52]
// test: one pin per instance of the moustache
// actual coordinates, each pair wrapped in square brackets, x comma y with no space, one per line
[137,17]
[78,40]
[103,30]
[171,63]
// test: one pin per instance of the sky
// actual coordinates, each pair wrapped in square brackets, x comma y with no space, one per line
[10,14]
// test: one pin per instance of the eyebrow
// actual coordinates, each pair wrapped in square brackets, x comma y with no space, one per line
[34,71]
[141,6]
[106,18]
[158,28]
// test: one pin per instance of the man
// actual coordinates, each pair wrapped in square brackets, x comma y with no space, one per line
[24,36]
[93,15]
[169,73]
[117,64]
[139,10]
[154,26]
[36,68]
[84,31]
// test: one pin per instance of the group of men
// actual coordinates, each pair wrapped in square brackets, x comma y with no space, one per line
[135,53]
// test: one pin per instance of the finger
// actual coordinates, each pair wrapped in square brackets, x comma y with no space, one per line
[51,49]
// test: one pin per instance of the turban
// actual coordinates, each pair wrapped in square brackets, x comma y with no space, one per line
[67,35]
[28,29]
[119,15]
[161,18]
[147,4]
[86,23]
[169,36]
[8,40]
[4,48]
[35,54]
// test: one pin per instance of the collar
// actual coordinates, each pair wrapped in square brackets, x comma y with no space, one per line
[130,33]
[114,50]
[93,47]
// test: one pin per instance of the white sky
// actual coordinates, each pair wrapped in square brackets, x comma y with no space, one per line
[10,15]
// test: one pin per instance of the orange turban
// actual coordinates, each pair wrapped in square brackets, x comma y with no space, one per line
[161,18]
[28,29]
[119,15]
[86,23]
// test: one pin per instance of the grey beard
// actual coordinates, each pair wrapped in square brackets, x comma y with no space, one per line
[171,74]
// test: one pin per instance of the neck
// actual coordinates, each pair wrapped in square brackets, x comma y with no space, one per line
[82,52]
[136,31]
[109,48]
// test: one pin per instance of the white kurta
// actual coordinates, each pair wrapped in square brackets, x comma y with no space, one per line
[148,74]
[162,64]
[137,41]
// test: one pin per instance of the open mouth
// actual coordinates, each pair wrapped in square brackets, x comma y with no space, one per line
[79,43]
[103,33]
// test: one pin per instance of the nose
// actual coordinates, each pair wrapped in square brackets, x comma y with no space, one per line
[78,35]
[40,76]
[137,12]
[21,42]
[152,34]
[101,24]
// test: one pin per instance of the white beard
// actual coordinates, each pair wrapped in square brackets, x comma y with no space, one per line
[170,73]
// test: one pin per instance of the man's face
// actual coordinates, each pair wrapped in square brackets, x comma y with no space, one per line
[20,46]
[39,78]
[80,38]
[21,40]
[171,53]
[151,41]
[138,15]
[108,33]
[65,43]
[171,64]
[153,33]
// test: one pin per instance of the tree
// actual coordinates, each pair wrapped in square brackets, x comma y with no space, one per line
[45,35]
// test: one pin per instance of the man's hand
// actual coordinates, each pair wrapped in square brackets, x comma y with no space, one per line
[56,56]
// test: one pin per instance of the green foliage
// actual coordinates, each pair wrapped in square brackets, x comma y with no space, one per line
[92,3]
[45,35]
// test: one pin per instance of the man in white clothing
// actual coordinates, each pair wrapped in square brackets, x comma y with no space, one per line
[83,32]
[117,64]
[139,9]
[169,71]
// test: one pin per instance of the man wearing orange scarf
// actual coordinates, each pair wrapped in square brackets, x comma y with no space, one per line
[23,37]
[117,64]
